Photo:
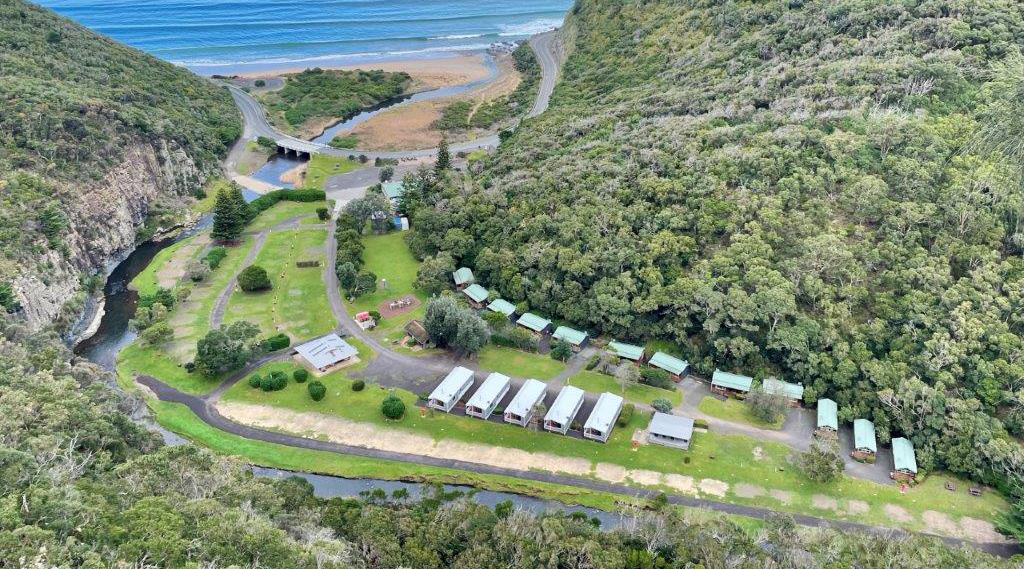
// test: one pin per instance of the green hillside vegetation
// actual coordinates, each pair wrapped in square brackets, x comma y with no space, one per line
[332,94]
[823,191]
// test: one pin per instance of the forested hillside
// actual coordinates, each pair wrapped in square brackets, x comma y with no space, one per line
[93,137]
[825,191]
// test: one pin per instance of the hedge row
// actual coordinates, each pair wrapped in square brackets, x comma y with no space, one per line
[267,200]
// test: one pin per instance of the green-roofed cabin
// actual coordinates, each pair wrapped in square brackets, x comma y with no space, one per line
[904,461]
[463,277]
[392,191]
[502,306]
[864,444]
[571,336]
[675,367]
[536,324]
[626,351]
[477,295]
[828,419]
[727,383]
[793,392]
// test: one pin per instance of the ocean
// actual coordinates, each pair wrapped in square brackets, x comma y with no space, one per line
[210,36]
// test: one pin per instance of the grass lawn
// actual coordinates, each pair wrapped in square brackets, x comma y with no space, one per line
[147,282]
[206,204]
[283,211]
[598,382]
[137,360]
[297,305]
[517,363]
[732,459]
[388,257]
[322,167]
[736,411]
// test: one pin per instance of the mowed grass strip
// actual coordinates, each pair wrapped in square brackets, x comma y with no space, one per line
[297,304]
[518,363]
[321,167]
[735,411]
[639,393]
[147,281]
[283,211]
[728,459]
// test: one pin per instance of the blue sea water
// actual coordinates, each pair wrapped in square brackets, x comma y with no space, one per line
[212,36]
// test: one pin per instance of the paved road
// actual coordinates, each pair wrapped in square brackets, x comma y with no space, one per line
[545,45]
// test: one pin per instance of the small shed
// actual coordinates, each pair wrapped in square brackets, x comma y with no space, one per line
[326,352]
[502,306]
[393,191]
[520,409]
[793,392]
[675,367]
[828,419]
[451,389]
[573,337]
[904,461]
[534,323]
[626,351]
[417,332]
[487,396]
[602,417]
[730,383]
[477,295]
[463,277]
[670,430]
[559,417]
[864,445]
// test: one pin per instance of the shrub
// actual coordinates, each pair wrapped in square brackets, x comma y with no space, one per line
[190,367]
[300,375]
[522,339]
[766,406]
[260,83]
[561,351]
[393,408]
[215,256]
[323,213]
[268,383]
[254,380]
[656,378]
[700,423]
[576,425]
[317,390]
[376,316]
[253,278]
[626,415]
[662,404]
[358,385]
[279,342]
[197,271]
[267,200]
[593,361]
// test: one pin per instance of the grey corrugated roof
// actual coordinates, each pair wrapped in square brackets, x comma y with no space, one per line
[731,380]
[502,306]
[903,455]
[671,426]
[828,415]
[463,275]
[604,412]
[628,351]
[533,322]
[571,335]
[528,395]
[864,435]
[671,364]
[476,292]
[488,391]
[451,384]
[565,405]
[326,351]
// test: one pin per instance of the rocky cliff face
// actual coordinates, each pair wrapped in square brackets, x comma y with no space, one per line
[104,218]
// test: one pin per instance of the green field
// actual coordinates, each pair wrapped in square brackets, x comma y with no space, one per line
[283,211]
[518,363]
[322,167]
[598,382]
[729,459]
[146,282]
[735,411]
[297,305]
[388,257]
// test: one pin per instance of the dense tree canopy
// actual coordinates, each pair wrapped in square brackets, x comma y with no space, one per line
[829,192]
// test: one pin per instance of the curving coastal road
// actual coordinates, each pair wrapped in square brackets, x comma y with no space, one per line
[546,47]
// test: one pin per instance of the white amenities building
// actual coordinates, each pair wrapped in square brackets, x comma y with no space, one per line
[670,430]
[520,409]
[486,398]
[603,416]
[564,409]
[451,389]
[326,352]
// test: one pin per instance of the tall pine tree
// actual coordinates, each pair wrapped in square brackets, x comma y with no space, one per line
[444,159]
[230,214]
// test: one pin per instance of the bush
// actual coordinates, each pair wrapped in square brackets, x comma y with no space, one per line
[269,199]
[662,404]
[522,339]
[561,351]
[593,361]
[376,316]
[253,278]
[358,385]
[254,380]
[317,390]
[393,408]
[215,256]
[323,214]
[197,271]
[278,342]
[575,425]
[700,423]
[268,383]
[656,378]
[766,406]
[300,375]
[260,83]
[626,415]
